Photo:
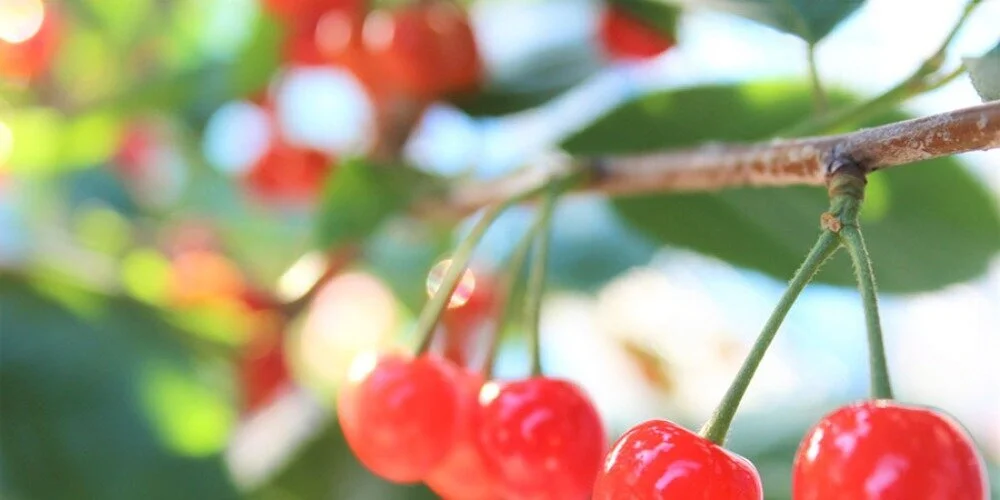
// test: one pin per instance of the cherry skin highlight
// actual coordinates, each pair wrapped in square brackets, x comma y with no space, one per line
[626,38]
[660,460]
[464,473]
[401,415]
[882,450]
[543,436]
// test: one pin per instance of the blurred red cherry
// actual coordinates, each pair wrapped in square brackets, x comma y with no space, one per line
[626,37]
[289,173]
[466,328]
[425,50]
[25,60]
[263,370]
[464,473]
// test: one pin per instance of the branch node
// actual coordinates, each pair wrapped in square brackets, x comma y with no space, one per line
[830,222]
[845,176]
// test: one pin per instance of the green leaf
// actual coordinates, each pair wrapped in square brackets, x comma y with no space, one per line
[593,246]
[548,73]
[47,142]
[100,400]
[928,224]
[259,57]
[810,20]
[985,73]
[360,196]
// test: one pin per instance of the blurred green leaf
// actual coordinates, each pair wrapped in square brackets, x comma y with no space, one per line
[770,229]
[359,196]
[548,73]
[259,57]
[593,246]
[45,141]
[325,469]
[810,20]
[401,253]
[499,101]
[77,422]
[985,73]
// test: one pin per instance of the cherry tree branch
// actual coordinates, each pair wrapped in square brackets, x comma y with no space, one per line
[780,162]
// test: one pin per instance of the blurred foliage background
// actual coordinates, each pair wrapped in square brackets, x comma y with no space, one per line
[208,207]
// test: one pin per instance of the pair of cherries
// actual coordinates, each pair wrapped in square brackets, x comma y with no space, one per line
[427,419]
[873,449]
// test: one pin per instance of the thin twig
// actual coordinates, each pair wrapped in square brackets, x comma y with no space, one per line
[773,163]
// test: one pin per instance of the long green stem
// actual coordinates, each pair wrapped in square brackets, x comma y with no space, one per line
[920,81]
[429,316]
[819,93]
[536,281]
[717,426]
[851,236]
[515,267]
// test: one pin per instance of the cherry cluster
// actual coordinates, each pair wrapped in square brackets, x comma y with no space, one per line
[433,418]
[405,58]
[429,418]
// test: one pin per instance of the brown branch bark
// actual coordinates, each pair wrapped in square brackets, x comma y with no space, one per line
[780,162]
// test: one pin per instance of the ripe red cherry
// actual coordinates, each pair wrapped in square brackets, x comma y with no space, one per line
[263,369]
[401,415]
[882,450]
[464,473]
[658,460]
[426,50]
[627,38]
[289,173]
[543,436]
[29,58]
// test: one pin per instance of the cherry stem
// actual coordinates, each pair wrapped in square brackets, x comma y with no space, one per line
[922,80]
[819,93]
[717,426]
[536,279]
[431,314]
[851,236]
[515,267]
[847,192]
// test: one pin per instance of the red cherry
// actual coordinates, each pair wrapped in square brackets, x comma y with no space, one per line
[401,415]
[298,9]
[426,50]
[263,369]
[264,372]
[625,37]
[882,450]
[658,459]
[29,58]
[543,436]
[289,173]
[464,473]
